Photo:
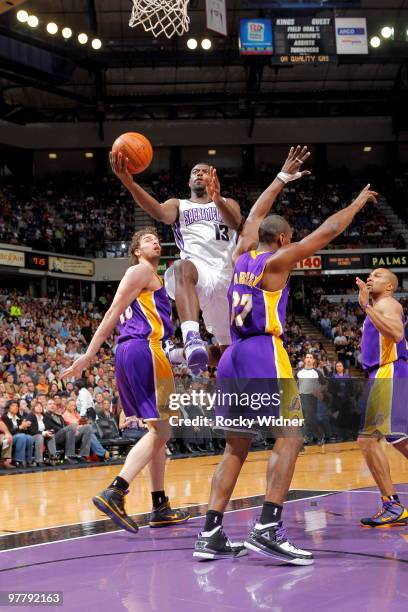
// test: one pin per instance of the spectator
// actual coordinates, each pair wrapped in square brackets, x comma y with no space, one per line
[71,416]
[22,441]
[85,401]
[63,434]
[41,436]
[132,428]
[6,444]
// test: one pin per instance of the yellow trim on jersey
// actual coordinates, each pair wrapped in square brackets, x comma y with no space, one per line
[271,300]
[379,402]
[148,306]
[290,406]
[163,379]
[282,361]
[388,350]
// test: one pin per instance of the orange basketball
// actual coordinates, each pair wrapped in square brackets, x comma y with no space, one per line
[137,148]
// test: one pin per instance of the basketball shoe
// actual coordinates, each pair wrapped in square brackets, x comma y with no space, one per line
[215,545]
[391,513]
[111,502]
[196,353]
[270,540]
[165,516]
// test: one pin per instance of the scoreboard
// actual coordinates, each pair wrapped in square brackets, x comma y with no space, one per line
[303,40]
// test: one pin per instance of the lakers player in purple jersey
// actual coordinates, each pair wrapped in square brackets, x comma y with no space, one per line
[264,259]
[385,358]
[144,378]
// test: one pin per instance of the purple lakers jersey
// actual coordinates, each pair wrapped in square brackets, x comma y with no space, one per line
[254,311]
[147,318]
[376,350]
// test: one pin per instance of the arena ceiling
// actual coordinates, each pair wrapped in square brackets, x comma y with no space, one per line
[135,76]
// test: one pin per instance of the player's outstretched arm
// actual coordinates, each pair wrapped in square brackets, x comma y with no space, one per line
[290,172]
[135,280]
[166,213]
[287,257]
[227,207]
[386,316]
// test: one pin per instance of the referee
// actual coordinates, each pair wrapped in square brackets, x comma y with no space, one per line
[309,380]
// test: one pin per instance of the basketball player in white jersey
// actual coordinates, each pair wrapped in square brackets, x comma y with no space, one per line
[204,228]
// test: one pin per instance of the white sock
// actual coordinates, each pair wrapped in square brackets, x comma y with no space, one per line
[189,326]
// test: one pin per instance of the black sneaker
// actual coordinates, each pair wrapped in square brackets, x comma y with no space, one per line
[271,540]
[112,503]
[217,546]
[71,460]
[164,516]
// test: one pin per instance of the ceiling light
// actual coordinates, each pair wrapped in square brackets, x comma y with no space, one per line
[212,151]
[82,38]
[96,44]
[375,42]
[33,21]
[89,155]
[52,28]
[206,44]
[192,43]
[67,32]
[367,149]
[22,16]
[387,32]
[52,156]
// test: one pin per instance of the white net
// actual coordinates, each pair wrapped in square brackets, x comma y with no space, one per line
[166,17]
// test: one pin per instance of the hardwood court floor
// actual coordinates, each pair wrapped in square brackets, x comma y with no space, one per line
[46,499]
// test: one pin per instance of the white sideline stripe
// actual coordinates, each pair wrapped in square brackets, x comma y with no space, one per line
[94,535]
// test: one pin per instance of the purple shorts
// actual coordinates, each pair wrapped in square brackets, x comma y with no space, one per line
[144,379]
[254,382]
[386,409]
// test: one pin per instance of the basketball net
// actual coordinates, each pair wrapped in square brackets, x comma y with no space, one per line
[166,17]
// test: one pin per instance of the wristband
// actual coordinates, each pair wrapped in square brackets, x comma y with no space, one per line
[285,177]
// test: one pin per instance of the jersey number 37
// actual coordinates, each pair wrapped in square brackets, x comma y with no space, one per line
[244,304]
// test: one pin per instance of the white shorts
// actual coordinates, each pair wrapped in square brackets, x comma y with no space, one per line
[212,287]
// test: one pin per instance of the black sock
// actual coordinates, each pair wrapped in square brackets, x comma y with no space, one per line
[213,519]
[158,498]
[271,513]
[390,498]
[120,483]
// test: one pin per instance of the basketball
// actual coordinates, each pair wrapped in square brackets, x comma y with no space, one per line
[137,148]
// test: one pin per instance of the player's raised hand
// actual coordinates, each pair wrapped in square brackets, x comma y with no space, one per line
[363,293]
[119,165]
[366,195]
[213,184]
[76,369]
[293,164]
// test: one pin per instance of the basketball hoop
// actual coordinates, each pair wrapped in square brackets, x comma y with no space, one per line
[166,17]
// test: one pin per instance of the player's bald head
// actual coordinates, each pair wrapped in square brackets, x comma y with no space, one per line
[272,227]
[382,281]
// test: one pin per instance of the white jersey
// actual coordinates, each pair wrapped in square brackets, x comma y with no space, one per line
[200,233]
